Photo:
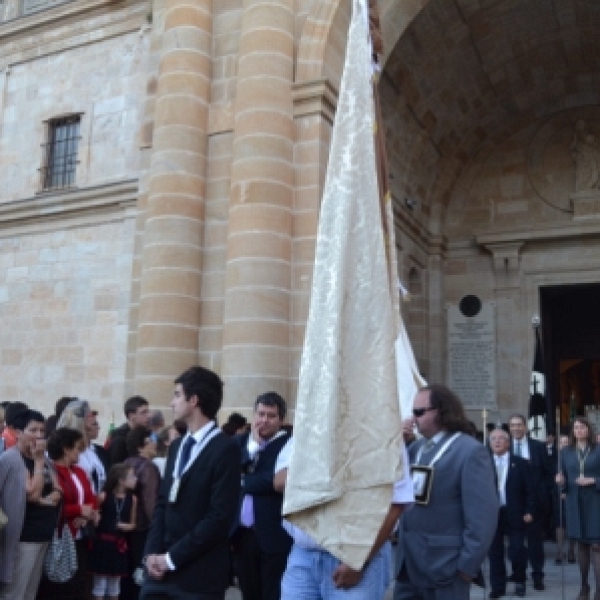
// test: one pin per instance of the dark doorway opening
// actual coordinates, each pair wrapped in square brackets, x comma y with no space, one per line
[571,344]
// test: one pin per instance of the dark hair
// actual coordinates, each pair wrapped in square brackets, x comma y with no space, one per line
[117,472]
[132,404]
[136,440]
[62,439]
[161,442]
[517,416]
[206,386]
[591,436]
[450,412]
[14,408]
[272,399]
[24,417]
[61,404]
[234,422]
[157,419]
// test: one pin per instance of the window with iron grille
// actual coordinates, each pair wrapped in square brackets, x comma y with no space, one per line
[60,152]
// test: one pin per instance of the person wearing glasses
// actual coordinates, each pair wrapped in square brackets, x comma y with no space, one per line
[444,538]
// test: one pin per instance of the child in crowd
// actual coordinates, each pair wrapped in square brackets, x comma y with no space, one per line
[108,559]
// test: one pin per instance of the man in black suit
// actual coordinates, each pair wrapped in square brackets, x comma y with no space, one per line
[534,452]
[187,552]
[516,509]
[260,544]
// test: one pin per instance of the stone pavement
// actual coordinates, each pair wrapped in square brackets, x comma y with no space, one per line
[555,575]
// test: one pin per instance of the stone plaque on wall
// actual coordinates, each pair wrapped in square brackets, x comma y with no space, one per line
[472,352]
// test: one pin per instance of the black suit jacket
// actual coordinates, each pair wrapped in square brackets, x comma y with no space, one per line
[519,492]
[102,454]
[194,529]
[271,536]
[540,472]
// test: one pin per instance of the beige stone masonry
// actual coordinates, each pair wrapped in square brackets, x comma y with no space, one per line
[260,217]
[172,238]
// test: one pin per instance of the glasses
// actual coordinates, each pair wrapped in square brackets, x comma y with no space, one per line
[419,412]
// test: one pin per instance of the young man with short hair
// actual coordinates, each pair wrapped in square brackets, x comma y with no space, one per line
[137,413]
[187,552]
[260,544]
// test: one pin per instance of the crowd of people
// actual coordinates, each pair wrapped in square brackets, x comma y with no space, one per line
[183,511]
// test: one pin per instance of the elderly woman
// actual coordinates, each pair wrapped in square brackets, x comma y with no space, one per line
[580,479]
[29,495]
[141,447]
[79,507]
[79,416]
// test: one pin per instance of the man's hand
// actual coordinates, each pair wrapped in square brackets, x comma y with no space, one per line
[584,481]
[345,577]
[156,564]
[527,518]
[465,577]
[255,433]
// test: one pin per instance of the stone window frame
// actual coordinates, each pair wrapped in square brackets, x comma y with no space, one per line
[60,152]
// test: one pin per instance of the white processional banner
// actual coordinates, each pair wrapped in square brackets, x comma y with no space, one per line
[347,453]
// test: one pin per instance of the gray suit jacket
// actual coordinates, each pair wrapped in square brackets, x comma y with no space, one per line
[454,531]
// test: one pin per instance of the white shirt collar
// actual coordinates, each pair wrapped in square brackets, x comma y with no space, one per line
[201,432]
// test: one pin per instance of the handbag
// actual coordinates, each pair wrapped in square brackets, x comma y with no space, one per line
[60,563]
[3,520]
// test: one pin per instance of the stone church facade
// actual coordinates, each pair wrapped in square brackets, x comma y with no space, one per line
[162,163]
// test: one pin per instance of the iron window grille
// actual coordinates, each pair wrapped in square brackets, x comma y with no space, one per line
[60,153]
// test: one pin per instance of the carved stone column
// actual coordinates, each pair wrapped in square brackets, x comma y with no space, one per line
[256,323]
[172,240]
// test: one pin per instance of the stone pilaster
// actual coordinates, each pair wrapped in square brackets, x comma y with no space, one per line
[171,258]
[256,323]
[509,326]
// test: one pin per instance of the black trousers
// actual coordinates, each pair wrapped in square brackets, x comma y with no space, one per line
[161,590]
[517,553]
[535,547]
[137,541]
[259,574]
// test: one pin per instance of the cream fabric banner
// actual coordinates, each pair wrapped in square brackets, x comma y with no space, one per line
[347,426]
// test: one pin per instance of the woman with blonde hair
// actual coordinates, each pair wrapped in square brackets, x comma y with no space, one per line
[79,416]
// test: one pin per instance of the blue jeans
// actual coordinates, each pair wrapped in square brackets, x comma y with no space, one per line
[308,576]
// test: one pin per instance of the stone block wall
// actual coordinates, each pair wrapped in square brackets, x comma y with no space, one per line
[104,82]
[64,305]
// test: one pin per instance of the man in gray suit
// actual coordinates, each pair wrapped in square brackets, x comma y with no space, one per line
[444,538]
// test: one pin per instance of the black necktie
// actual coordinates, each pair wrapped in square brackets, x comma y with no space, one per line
[185,454]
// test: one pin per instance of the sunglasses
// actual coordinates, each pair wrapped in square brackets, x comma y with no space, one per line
[419,412]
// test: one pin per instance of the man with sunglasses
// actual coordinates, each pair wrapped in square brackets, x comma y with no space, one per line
[444,538]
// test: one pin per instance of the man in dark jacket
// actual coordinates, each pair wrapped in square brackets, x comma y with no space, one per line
[260,544]
[516,509]
[187,552]
[137,413]
[534,452]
